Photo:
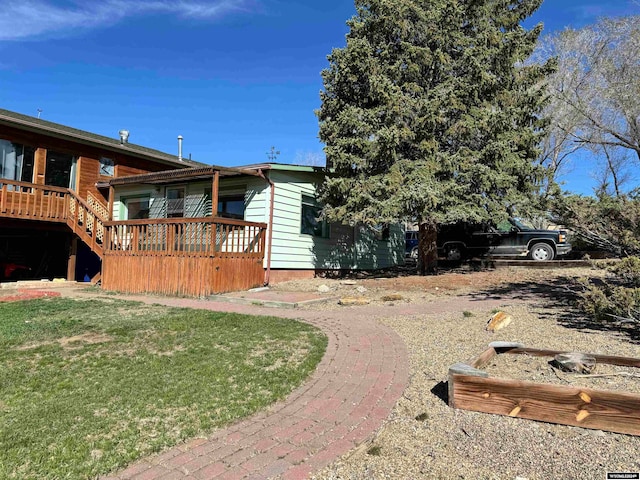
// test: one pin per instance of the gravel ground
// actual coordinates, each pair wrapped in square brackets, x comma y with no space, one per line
[416,289]
[424,438]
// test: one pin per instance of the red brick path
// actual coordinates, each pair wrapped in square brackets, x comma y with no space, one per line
[352,391]
[361,376]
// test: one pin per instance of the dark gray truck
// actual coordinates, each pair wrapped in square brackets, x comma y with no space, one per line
[509,239]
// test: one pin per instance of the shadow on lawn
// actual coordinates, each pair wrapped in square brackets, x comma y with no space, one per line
[559,293]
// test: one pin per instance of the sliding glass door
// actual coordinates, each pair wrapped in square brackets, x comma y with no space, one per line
[16,161]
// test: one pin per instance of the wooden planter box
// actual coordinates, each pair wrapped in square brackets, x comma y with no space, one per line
[471,388]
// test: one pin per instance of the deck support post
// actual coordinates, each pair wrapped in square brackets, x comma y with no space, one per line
[215,187]
[112,195]
[73,253]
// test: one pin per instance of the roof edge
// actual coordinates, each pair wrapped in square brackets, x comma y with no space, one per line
[286,167]
[36,125]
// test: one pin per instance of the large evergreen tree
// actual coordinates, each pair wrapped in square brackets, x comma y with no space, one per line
[430,113]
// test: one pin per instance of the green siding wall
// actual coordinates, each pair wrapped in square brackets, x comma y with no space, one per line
[346,248]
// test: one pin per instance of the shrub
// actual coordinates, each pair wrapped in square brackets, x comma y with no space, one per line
[617,298]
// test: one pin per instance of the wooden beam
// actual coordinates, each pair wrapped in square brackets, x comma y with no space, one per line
[112,194]
[483,359]
[40,167]
[582,407]
[608,359]
[214,193]
[73,254]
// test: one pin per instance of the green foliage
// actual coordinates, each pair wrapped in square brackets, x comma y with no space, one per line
[594,302]
[375,450]
[429,112]
[611,223]
[628,270]
[617,298]
[90,386]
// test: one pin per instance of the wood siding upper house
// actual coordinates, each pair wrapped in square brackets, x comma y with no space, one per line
[91,158]
[299,243]
[49,195]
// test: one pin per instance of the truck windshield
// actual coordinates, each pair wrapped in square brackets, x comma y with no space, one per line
[520,225]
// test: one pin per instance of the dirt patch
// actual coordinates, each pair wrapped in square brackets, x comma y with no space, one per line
[89,338]
[71,343]
[446,280]
[414,289]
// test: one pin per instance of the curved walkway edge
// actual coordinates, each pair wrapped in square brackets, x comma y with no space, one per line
[357,383]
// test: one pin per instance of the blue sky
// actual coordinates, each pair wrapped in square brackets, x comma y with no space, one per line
[234,77]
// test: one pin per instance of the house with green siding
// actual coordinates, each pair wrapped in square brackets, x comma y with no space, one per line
[298,244]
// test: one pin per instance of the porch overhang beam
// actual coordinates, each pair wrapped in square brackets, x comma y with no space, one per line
[173,176]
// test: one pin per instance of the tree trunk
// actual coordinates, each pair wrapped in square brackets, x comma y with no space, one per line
[427,250]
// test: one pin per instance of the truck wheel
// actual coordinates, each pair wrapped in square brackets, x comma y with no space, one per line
[455,253]
[541,252]
[414,253]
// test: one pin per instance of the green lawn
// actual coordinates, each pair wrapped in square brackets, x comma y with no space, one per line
[87,386]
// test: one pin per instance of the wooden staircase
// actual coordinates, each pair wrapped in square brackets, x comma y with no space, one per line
[86,220]
[44,203]
[29,201]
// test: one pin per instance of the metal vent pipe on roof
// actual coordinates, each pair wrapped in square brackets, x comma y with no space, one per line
[124,136]
[179,148]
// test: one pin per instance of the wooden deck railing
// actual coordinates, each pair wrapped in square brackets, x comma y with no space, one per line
[29,201]
[184,256]
[85,222]
[193,237]
[33,202]
[188,256]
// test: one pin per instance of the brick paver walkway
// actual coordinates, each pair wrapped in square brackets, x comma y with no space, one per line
[361,376]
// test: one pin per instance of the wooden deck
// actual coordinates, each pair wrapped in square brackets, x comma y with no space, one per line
[29,201]
[174,256]
[183,256]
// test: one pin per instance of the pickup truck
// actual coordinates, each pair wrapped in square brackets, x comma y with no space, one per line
[509,239]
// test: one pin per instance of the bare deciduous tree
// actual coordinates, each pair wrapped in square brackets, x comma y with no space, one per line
[595,96]
[614,173]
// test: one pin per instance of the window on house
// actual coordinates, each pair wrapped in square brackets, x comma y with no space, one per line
[381,232]
[60,169]
[231,206]
[28,160]
[175,202]
[16,161]
[107,167]
[136,207]
[310,223]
